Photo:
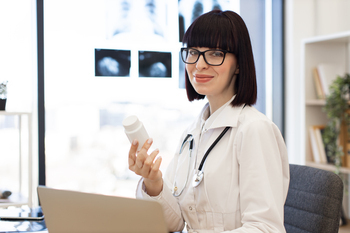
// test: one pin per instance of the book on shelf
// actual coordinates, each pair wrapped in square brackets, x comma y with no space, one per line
[314,147]
[324,75]
[346,128]
[330,159]
[344,140]
[319,90]
[317,146]
[347,155]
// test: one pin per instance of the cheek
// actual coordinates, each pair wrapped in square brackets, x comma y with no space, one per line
[222,71]
[228,71]
[189,69]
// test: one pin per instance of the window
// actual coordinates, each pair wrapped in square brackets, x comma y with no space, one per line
[17,65]
[97,72]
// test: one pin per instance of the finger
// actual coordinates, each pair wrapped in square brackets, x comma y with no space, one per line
[140,159]
[151,157]
[133,149]
[147,145]
[131,163]
[132,153]
[142,154]
[148,163]
[139,162]
[155,169]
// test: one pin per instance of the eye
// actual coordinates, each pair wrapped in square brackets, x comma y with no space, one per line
[216,53]
[192,52]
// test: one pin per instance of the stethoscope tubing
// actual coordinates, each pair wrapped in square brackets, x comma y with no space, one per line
[211,147]
[199,174]
[188,138]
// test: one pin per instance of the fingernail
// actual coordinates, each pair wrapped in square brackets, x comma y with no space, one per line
[134,142]
[159,157]
[150,140]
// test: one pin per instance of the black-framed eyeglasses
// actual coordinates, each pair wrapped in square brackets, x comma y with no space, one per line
[213,57]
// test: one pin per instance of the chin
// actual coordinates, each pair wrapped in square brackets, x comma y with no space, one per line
[201,92]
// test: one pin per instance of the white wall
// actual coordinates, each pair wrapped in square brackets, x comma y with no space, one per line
[304,19]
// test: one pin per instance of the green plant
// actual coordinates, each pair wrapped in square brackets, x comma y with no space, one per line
[337,102]
[3,90]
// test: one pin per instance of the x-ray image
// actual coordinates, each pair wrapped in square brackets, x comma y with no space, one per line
[189,10]
[109,62]
[154,64]
[136,20]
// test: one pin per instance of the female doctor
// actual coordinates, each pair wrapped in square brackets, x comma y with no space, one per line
[230,172]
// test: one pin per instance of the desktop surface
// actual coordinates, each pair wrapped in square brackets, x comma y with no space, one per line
[22,225]
[25,226]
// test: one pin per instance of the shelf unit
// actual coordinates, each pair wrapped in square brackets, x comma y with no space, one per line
[24,195]
[323,49]
[333,48]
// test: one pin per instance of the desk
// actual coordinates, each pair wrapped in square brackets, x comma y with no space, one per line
[25,226]
[22,226]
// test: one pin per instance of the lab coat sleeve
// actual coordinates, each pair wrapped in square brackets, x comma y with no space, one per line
[263,177]
[171,208]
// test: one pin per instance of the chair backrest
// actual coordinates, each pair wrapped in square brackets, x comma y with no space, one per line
[314,201]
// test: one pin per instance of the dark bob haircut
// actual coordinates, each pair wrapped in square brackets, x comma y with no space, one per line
[225,30]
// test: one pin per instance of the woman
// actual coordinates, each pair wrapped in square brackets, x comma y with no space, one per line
[231,171]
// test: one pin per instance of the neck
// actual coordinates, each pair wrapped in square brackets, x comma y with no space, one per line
[216,103]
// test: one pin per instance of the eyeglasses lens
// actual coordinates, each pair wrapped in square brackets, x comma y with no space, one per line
[212,57]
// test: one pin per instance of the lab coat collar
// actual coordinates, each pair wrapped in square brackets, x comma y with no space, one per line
[225,116]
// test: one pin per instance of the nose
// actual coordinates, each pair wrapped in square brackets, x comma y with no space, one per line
[201,63]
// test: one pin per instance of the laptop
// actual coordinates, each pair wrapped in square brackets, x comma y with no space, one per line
[73,212]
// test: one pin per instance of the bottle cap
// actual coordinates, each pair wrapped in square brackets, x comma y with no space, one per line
[131,123]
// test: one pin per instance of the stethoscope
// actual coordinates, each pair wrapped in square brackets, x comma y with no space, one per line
[199,174]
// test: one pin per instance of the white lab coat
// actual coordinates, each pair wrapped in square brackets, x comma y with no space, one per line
[246,175]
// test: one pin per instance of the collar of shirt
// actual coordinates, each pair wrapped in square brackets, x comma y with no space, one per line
[220,117]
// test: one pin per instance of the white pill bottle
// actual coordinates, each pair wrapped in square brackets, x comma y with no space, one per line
[134,129]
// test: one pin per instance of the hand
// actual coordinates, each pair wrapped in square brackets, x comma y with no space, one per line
[146,166]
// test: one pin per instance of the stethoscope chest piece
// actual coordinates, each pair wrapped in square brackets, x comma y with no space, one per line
[198,177]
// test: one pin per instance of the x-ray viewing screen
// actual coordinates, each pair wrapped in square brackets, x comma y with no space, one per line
[111,62]
[138,20]
[190,10]
[154,64]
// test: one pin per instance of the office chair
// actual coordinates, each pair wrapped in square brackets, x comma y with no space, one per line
[314,201]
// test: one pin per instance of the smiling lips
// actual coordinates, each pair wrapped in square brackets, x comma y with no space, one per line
[202,78]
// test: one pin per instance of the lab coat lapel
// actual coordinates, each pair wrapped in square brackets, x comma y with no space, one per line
[227,117]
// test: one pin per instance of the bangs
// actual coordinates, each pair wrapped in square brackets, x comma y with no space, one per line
[210,30]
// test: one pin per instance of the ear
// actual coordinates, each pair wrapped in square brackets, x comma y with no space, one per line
[237,71]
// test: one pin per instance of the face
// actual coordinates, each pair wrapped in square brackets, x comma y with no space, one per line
[215,82]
